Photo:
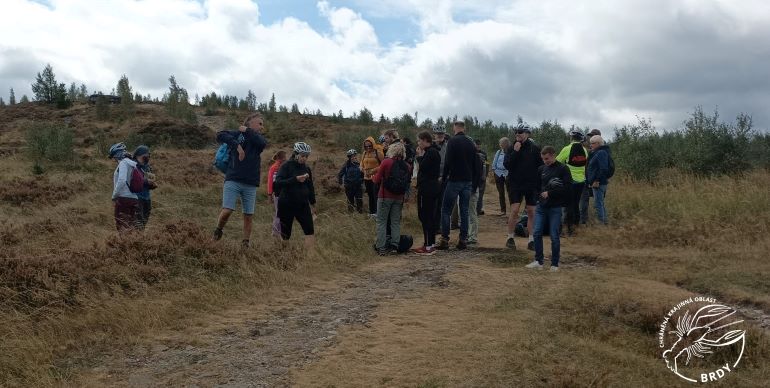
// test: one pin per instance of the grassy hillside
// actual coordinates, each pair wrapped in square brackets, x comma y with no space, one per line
[71,288]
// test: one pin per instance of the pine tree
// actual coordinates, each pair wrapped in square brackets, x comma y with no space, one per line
[365,116]
[60,97]
[271,105]
[82,92]
[12,98]
[295,108]
[45,86]
[72,93]
[126,98]
[24,99]
[2,102]
[251,101]
[138,98]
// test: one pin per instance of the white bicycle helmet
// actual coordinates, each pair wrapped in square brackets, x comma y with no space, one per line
[301,147]
[117,149]
[351,152]
[438,128]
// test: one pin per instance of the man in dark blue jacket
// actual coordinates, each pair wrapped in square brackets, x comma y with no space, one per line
[598,174]
[242,176]
[554,185]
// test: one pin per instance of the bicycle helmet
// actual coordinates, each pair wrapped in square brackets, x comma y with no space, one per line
[438,128]
[352,152]
[301,147]
[381,139]
[576,134]
[116,150]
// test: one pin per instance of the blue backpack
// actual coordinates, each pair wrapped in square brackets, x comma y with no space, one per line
[222,158]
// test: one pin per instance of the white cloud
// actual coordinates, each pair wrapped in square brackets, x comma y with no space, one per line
[598,63]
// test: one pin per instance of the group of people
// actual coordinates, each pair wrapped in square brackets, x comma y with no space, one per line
[448,172]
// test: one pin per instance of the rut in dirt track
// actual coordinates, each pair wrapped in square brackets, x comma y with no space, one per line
[257,352]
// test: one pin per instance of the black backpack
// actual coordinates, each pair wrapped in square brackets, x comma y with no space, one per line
[577,156]
[610,166]
[399,178]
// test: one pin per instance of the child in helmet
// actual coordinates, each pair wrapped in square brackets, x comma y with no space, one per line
[352,178]
[296,196]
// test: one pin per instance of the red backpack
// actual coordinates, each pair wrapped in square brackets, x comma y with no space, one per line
[135,180]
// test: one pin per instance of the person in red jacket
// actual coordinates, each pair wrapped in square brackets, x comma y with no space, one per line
[391,173]
[278,159]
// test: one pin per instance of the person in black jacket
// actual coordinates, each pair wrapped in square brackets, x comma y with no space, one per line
[242,176]
[296,195]
[428,190]
[352,178]
[522,161]
[554,190]
[460,176]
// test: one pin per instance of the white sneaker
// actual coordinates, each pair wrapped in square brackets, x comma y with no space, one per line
[534,264]
[554,269]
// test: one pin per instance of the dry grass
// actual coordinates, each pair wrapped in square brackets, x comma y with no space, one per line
[70,288]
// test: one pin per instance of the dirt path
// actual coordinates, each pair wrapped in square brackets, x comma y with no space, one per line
[382,324]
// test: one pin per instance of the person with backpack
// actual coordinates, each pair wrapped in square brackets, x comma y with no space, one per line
[393,177]
[245,148]
[522,162]
[296,194]
[124,198]
[352,178]
[278,160]
[576,159]
[460,177]
[371,158]
[142,159]
[428,190]
[600,170]
[553,193]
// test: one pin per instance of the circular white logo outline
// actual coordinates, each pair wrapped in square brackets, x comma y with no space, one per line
[706,329]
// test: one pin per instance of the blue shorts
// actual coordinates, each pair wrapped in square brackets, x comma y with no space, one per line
[233,190]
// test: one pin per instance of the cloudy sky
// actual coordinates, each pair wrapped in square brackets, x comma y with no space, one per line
[597,63]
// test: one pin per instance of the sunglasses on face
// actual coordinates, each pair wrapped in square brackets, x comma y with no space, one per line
[305,155]
[520,132]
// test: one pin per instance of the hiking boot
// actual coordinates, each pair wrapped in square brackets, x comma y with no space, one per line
[383,252]
[510,243]
[473,242]
[462,244]
[534,265]
[217,234]
[442,244]
[531,245]
[554,268]
[481,212]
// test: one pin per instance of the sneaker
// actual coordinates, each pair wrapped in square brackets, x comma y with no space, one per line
[510,243]
[217,234]
[481,213]
[462,245]
[442,244]
[382,252]
[534,265]
[531,245]
[554,268]
[425,251]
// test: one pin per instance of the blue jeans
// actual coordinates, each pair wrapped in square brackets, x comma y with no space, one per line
[452,191]
[601,211]
[233,190]
[553,217]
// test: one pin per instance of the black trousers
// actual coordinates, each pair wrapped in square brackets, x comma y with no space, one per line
[289,211]
[573,205]
[480,202]
[371,192]
[500,183]
[427,206]
[355,198]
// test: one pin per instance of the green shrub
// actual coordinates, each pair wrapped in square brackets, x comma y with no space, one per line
[49,142]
